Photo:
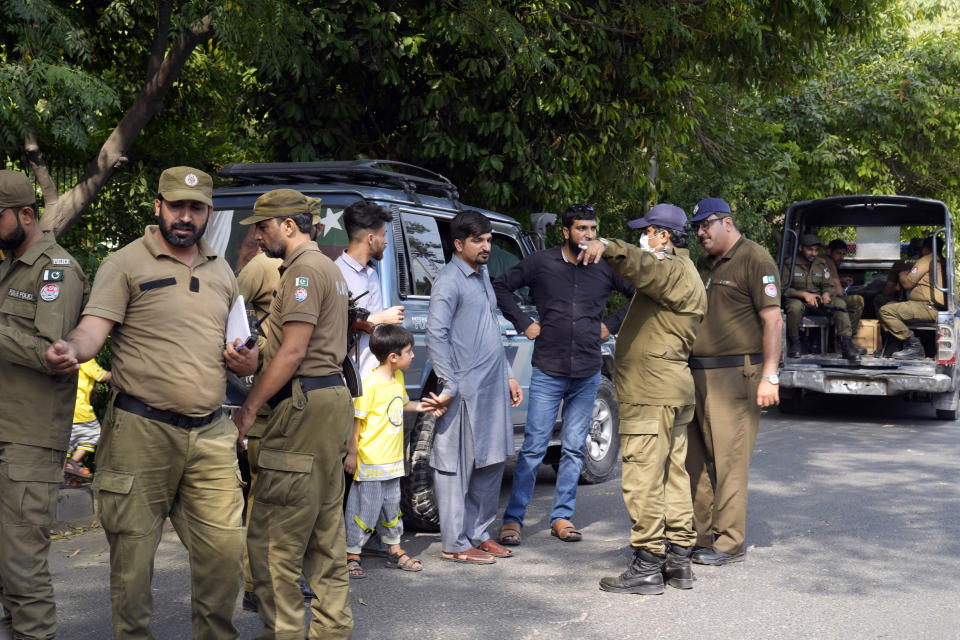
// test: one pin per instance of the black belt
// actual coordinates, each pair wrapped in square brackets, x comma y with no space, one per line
[307,383]
[132,405]
[724,362]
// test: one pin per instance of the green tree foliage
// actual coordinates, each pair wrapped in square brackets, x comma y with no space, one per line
[878,116]
[530,105]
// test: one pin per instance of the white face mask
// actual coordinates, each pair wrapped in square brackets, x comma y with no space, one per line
[645,243]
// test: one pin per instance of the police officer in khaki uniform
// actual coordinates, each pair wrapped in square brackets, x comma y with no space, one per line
[257,281]
[892,291]
[655,392]
[923,302]
[836,251]
[42,294]
[167,449]
[297,518]
[807,290]
[734,366]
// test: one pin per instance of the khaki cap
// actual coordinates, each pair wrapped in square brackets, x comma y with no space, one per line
[16,190]
[186,183]
[283,203]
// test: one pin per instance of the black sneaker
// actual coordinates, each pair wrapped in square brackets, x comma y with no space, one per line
[250,602]
[715,557]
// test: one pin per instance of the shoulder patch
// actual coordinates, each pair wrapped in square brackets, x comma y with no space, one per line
[50,292]
[300,294]
[770,290]
[53,275]
[769,279]
[61,262]
[303,281]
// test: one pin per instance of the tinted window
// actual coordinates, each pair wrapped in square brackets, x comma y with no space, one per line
[425,251]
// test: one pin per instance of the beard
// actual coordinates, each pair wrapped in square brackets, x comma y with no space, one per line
[15,239]
[573,246]
[275,251]
[167,231]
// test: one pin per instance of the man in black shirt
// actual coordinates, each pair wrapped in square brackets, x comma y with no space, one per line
[570,300]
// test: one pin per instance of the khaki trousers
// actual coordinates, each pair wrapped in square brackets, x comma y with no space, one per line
[253,453]
[795,309]
[719,448]
[656,487]
[855,306]
[296,523]
[148,470]
[29,477]
[894,316]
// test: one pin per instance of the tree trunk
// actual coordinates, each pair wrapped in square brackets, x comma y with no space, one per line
[72,204]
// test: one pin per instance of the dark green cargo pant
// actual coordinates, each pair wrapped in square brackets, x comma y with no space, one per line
[29,478]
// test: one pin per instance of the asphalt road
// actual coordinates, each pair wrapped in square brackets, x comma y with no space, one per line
[851,534]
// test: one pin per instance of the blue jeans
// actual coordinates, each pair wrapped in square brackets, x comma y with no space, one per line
[546,393]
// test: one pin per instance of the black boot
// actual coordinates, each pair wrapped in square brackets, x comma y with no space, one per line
[794,350]
[644,575]
[847,350]
[912,350]
[677,571]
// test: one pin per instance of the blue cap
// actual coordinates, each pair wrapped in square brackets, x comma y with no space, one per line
[709,206]
[662,215]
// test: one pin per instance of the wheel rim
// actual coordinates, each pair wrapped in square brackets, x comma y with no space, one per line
[601,431]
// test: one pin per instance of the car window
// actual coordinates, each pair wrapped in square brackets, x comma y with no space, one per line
[505,252]
[425,251]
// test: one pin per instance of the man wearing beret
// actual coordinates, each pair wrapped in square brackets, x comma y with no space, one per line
[42,294]
[167,450]
[734,365]
[655,392]
[806,290]
[296,521]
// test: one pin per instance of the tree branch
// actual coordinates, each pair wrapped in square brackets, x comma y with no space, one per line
[40,169]
[113,151]
[159,46]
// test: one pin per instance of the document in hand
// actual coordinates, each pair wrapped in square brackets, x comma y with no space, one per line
[237,324]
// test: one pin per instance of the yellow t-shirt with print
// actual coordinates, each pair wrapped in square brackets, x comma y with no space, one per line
[380,443]
[90,373]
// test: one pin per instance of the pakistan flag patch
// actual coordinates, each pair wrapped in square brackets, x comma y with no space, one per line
[303,282]
[53,275]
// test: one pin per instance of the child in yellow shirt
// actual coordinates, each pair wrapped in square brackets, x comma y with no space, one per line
[85,433]
[375,451]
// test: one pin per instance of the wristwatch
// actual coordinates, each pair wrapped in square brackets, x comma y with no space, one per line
[605,242]
[774,379]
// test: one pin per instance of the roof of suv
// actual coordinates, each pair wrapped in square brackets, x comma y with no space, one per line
[867,210]
[383,181]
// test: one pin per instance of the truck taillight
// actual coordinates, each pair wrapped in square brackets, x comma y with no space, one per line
[946,344]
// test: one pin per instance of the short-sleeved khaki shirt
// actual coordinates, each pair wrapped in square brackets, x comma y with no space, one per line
[171,324]
[739,285]
[41,294]
[311,290]
[920,276]
[257,281]
[815,276]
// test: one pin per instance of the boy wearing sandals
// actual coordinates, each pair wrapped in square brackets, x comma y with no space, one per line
[375,451]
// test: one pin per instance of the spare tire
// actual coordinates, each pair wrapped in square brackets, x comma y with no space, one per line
[418,502]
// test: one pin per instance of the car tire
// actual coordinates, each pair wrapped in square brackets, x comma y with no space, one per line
[791,402]
[601,454]
[946,414]
[418,501]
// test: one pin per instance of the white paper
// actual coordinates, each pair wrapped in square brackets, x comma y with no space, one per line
[237,325]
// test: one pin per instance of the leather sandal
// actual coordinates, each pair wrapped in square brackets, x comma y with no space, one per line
[494,548]
[510,534]
[565,530]
[470,556]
